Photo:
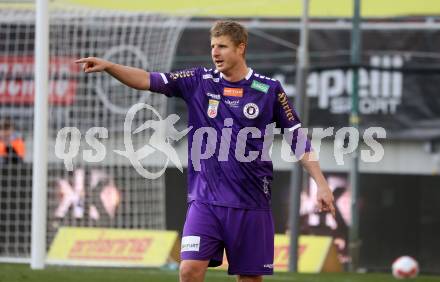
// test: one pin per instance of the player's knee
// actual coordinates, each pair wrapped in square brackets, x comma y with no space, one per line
[191,272]
[246,278]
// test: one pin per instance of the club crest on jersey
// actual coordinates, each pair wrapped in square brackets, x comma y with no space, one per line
[250,110]
[233,92]
[212,108]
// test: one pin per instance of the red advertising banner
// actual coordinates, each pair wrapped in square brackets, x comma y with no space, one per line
[17,80]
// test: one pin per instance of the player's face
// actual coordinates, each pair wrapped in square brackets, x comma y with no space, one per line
[225,54]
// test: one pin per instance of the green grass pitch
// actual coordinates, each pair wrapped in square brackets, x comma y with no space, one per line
[23,273]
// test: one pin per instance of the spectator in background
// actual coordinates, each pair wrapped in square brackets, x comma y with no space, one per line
[13,187]
[12,146]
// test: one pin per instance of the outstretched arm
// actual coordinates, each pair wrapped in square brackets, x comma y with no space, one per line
[132,77]
[324,194]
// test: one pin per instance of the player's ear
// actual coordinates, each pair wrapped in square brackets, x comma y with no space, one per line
[242,48]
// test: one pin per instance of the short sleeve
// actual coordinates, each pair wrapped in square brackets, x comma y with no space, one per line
[284,113]
[287,119]
[180,84]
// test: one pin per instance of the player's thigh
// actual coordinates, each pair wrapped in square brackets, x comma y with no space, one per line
[250,242]
[201,238]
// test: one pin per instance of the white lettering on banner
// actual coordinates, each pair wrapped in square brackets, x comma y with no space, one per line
[380,91]
[17,80]
[190,244]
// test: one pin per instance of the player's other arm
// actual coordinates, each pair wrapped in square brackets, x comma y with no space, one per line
[132,77]
[324,193]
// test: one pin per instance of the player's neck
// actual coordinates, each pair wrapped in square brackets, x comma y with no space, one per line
[237,73]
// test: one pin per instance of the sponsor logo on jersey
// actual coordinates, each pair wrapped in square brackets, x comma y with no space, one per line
[288,111]
[233,92]
[250,110]
[190,244]
[213,96]
[209,76]
[232,104]
[260,86]
[212,108]
[266,183]
[181,74]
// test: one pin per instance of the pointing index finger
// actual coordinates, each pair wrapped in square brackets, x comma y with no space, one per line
[82,60]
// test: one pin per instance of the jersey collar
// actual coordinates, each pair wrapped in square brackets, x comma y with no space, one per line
[247,77]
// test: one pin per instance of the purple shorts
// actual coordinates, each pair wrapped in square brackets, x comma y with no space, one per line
[246,235]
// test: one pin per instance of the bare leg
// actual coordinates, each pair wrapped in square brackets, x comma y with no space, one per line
[245,278]
[193,270]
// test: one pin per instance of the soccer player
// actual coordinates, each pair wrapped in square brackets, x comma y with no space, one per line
[228,193]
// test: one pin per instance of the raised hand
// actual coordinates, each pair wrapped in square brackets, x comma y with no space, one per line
[93,64]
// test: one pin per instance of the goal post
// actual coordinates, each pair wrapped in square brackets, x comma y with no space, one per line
[39,166]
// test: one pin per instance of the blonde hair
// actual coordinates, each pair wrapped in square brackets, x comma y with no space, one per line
[236,32]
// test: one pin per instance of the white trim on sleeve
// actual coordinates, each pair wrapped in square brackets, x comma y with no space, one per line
[164,78]
[295,127]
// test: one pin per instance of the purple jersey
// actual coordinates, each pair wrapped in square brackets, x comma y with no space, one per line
[227,178]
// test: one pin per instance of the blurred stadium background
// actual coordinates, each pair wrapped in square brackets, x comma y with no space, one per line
[399,212]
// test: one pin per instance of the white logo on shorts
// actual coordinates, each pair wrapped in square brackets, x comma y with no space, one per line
[190,244]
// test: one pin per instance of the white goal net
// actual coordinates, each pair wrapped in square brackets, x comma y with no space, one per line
[108,193]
